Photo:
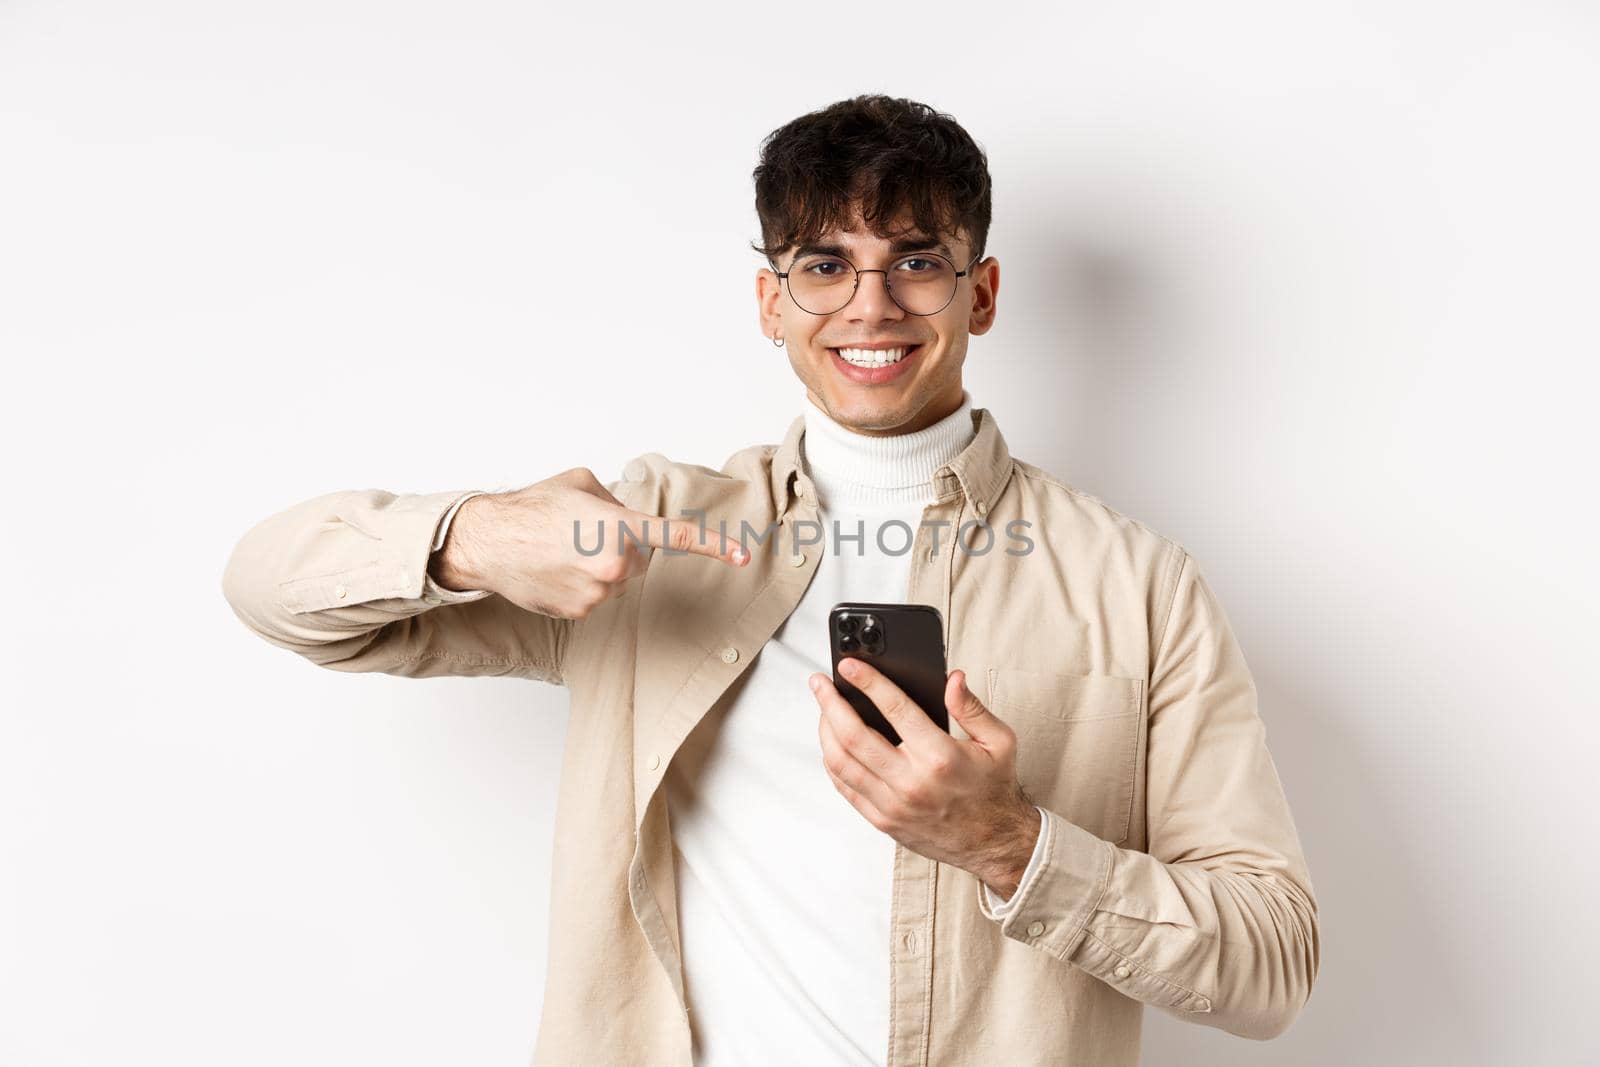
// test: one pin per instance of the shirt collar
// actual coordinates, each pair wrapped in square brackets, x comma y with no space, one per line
[980,471]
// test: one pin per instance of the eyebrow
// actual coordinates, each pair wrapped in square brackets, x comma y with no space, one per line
[913,243]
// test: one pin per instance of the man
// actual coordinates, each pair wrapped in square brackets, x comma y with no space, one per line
[746,873]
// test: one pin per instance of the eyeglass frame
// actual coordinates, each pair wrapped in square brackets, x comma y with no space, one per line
[888,288]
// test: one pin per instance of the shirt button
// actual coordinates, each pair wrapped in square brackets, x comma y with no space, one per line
[339,591]
[730,655]
[797,560]
[1035,929]
[933,554]
[1123,970]
[981,508]
[655,761]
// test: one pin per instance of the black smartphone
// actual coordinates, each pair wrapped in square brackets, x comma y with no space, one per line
[905,642]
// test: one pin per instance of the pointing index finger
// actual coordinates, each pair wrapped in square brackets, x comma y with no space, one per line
[685,535]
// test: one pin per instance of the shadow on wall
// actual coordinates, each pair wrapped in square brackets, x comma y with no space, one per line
[1393,987]
[1388,990]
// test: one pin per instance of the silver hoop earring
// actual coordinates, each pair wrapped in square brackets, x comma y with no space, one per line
[777,342]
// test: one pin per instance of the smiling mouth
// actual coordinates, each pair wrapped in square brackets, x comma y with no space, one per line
[874,357]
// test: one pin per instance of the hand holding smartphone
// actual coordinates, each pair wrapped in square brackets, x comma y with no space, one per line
[905,642]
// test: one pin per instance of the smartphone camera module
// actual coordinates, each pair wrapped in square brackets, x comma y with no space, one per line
[860,633]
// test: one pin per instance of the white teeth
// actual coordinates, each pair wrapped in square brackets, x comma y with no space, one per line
[862,357]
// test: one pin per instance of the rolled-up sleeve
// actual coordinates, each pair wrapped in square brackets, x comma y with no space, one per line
[1216,922]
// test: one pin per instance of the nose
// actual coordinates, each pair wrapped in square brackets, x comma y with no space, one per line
[872,300]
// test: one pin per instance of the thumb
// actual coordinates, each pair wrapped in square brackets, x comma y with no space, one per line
[979,723]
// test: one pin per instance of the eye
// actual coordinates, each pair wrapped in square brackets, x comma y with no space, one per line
[918,265]
[824,268]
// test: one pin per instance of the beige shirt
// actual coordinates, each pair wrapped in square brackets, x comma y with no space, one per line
[1172,873]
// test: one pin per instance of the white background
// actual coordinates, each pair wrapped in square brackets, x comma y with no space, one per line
[1310,289]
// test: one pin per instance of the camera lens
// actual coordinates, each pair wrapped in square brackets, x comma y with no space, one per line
[847,625]
[869,634]
[848,644]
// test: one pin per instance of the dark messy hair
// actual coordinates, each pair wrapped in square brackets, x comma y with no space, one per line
[883,153]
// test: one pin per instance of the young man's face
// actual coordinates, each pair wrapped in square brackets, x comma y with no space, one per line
[925,385]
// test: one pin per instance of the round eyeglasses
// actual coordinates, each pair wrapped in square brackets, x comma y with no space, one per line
[921,283]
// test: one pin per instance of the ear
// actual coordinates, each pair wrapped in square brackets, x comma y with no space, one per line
[985,288]
[769,288]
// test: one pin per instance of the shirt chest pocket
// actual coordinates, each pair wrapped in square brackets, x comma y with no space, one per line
[1077,742]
